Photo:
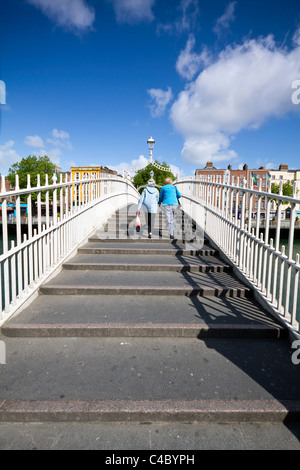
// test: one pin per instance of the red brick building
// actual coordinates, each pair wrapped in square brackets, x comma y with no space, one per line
[236,177]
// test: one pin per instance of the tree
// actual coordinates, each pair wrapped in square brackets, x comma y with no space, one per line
[142,176]
[32,166]
[287,190]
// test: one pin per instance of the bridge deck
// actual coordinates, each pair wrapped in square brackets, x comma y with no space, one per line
[144,331]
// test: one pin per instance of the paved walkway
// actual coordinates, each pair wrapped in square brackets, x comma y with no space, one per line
[155,334]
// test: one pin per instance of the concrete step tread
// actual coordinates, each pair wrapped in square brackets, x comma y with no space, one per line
[155,280]
[150,411]
[229,312]
[143,238]
[145,262]
[141,330]
[149,244]
[139,250]
[148,369]
[193,437]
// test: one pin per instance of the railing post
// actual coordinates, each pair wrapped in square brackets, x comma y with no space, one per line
[277,243]
[5,245]
[290,252]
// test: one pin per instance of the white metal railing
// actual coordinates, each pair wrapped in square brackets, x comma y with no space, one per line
[72,211]
[271,269]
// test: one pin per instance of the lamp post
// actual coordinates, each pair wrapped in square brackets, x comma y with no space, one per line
[151,143]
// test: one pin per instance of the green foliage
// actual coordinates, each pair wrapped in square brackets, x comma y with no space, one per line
[287,190]
[32,166]
[142,177]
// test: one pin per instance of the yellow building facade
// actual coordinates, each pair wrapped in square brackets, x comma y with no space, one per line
[82,189]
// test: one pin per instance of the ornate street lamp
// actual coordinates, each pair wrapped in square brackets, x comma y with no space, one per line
[151,143]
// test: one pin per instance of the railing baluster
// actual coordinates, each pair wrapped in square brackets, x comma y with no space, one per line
[272,272]
[294,319]
[290,252]
[270,269]
[277,243]
[5,245]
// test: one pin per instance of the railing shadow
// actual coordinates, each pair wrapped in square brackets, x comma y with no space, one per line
[267,362]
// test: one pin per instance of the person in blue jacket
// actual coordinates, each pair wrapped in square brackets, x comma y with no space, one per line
[168,198]
[149,199]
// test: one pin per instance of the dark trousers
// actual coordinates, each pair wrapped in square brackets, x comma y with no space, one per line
[151,220]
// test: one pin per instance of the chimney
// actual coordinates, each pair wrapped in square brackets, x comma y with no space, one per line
[245,167]
[230,167]
[209,165]
[283,167]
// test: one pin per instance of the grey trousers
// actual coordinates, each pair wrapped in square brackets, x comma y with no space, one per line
[169,211]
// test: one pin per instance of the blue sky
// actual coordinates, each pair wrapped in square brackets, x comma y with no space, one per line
[89,81]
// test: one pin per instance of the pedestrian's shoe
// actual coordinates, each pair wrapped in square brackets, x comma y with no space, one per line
[150,235]
[171,237]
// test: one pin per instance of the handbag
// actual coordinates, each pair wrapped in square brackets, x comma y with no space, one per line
[137,224]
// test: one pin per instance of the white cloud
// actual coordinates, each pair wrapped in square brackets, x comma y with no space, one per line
[176,171]
[189,63]
[61,139]
[189,11]
[246,85]
[60,134]
[133,11]
[160,100]
[70,14]
[54,155]
[226,19]
[138,163]
[203,148]
[8,155]
[34,141]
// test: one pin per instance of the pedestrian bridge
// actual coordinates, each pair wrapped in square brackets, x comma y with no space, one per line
[102,324]
[77,208]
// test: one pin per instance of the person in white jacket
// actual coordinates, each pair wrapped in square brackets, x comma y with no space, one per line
[149,199]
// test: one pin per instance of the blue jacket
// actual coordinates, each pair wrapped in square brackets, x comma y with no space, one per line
[149,198]
[168,195]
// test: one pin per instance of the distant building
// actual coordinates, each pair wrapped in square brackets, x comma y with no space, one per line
[284,174]
[81,173]
[237,177]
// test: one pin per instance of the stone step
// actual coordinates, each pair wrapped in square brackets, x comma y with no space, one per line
[148,241]
[148,379]
[158,316]
[142,439]
[149,249]
[141,330]
[123,262]
[113,282]
[131,266]
[150,411]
